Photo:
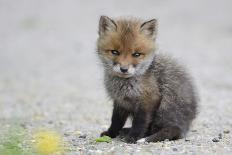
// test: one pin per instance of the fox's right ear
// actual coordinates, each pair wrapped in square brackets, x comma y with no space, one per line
[149,28]
[106,24]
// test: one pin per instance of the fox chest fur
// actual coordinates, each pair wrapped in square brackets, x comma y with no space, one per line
[131,92]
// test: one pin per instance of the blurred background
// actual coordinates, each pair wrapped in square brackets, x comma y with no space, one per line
[50,74]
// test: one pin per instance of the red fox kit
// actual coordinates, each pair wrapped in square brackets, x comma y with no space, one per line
[151,88]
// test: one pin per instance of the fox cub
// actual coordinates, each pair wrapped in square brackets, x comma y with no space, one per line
[151,88]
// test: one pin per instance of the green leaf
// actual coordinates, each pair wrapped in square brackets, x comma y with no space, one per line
[104,139]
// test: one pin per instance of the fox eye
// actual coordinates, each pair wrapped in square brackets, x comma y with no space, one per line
[136,54]
[115,52]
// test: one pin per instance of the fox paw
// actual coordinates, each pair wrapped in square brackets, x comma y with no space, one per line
[107,133]
[124,132]
[130,140]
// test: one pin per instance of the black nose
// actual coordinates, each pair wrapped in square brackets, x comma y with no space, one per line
[123,70]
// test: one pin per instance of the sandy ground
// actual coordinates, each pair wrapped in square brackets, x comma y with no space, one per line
[50,76]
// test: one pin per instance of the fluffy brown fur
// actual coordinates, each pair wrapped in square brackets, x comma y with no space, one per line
[152,88]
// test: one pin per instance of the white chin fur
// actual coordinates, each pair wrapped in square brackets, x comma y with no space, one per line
[131,70]
[122,75]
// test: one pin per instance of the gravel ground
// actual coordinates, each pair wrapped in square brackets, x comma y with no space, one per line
[50,76]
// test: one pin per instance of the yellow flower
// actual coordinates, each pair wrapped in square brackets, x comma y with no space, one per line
[48,142]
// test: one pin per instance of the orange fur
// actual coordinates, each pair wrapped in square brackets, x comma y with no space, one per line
[127,39]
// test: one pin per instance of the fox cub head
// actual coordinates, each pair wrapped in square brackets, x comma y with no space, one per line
[126,46]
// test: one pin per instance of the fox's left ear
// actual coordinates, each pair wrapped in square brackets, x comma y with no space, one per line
[149,28]
[106,24]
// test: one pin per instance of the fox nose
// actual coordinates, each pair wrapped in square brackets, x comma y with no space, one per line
[123,70]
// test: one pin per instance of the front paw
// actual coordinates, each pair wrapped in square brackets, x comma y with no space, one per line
[107,133]
[130,139]
[124,132]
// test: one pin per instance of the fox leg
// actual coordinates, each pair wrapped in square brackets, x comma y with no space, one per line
[118,120]
[171,133]
[124,132]
[139,127]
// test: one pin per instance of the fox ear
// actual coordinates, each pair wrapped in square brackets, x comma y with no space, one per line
[149,28]
[106,24]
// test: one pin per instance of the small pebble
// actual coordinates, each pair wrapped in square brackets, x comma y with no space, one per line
[98,152]
[194,130]
[33,141]
[226,131]
[79,149]
[73,140]
[174,149]
[83,136]
[66,134]
[50,122]
[112,149]
[75,144]
[215,140]
[220,136]
[23,125]
[77,132]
